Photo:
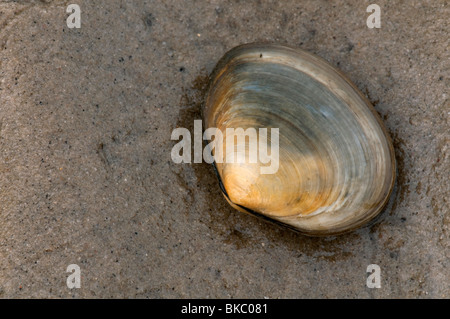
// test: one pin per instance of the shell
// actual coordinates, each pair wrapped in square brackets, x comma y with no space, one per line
[336,164]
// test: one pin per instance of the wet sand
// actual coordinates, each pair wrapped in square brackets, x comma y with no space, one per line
[86,175]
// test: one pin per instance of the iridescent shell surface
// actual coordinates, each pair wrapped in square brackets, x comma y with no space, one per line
[336,160]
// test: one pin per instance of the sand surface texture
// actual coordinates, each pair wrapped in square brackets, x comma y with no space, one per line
[86,175]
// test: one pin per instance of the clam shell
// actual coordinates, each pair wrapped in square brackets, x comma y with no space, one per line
[336,166]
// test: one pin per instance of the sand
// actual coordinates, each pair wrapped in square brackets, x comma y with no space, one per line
[86,175]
